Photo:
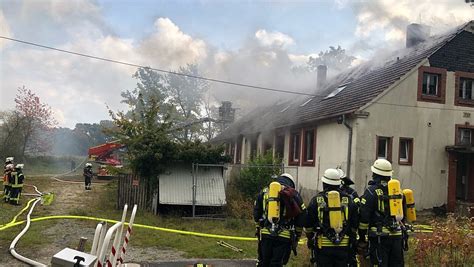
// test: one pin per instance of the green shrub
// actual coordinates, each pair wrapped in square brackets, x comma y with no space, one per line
[257,174]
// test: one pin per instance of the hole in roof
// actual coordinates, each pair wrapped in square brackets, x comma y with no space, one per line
[306,102]
[336,91]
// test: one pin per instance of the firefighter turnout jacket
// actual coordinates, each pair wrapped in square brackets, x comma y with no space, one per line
[318,221]
[375,215]
[287,225]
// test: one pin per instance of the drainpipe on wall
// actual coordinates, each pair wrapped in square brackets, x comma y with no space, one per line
[349,148]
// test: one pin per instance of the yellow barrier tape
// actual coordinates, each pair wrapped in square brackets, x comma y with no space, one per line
[182,232]
[134,225]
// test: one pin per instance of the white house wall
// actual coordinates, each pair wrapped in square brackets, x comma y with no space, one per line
[432,130]
[331,151]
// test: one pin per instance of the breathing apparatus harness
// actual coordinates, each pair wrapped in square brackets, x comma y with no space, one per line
[325,227]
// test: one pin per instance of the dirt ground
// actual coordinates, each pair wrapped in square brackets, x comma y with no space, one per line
[70,199]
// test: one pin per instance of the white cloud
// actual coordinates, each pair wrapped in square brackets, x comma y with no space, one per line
[169,47]
[273,39]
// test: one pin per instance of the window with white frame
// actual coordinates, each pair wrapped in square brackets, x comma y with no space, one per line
[405,151]
[466,87]
[295,148]
[384,148]
[309,146]
[430,84]
[465,136]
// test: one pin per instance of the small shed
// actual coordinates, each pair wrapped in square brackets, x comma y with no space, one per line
[183,183]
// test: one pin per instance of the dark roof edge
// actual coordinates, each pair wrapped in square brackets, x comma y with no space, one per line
[299,124]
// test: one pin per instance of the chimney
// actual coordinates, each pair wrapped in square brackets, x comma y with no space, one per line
[321,73]
[416,33]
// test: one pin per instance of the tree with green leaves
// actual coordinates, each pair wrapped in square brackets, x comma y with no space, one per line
[146,137]
[179,96]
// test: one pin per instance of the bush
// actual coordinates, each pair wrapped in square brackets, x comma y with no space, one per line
[238,206]
[450,244]
[257,174]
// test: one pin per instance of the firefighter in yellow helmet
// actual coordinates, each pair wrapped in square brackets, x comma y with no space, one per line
[279,215]
[377,220]
[331,223]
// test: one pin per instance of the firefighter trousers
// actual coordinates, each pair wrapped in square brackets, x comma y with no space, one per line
[389,252]
[275,252]
[6,192]
[332,257]
[87,182]
[15,193]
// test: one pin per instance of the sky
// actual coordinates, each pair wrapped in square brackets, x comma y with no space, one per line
[251,42]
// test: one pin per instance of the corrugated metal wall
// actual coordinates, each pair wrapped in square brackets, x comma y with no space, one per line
[176,185]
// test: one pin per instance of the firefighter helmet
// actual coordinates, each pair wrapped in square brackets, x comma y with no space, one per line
[88,164]
[286,179]
[19,166]
[382,167]
[331,177]
[9,160]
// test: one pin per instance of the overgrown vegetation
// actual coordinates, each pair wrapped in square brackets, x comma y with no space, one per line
[450,244]
[247,182]
[257,174]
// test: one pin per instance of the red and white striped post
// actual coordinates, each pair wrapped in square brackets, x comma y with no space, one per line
[121,253]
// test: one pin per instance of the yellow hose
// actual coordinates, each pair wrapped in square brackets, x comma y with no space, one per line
[19,213]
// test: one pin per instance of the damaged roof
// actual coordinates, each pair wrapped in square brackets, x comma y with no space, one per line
[351,90]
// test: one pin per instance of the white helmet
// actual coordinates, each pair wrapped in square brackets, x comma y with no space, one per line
[342,174]
[9,167]
[19,166]
[88,164]
[332,177]
[382,167]
[281,179]
[9,159]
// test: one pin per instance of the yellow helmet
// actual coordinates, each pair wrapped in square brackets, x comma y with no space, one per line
[382,167]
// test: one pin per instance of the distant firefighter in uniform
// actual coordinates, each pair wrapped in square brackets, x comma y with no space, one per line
[88,176]
[16,182]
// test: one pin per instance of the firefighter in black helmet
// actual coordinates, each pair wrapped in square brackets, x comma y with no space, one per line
[331,223]
[383,230]
[279,215]
[346,183]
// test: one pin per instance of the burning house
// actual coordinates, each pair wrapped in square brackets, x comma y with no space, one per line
[414,108]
